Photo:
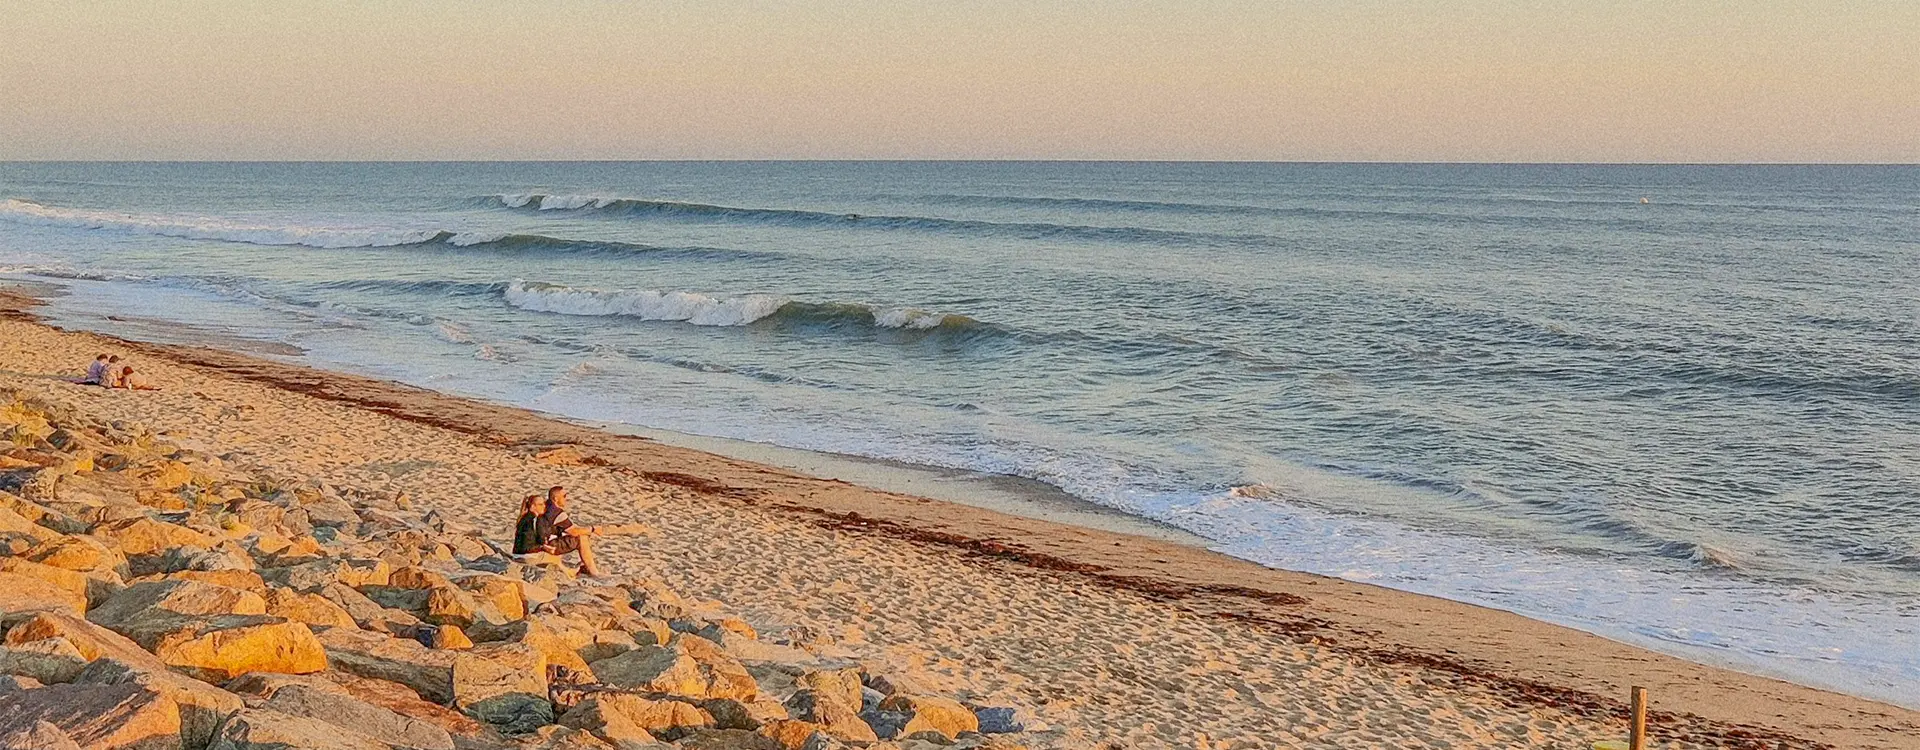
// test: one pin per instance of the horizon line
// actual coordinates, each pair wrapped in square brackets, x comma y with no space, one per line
[940,160]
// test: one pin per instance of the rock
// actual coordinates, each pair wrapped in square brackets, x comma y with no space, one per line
[352,573]
[558,639]
[447,638]
[606,644]
[167,475]
[38,735]
[157,598]
[886,724]
[338,708]
[502,594]
[107,717]
[265,729]
[447,605]
[312,609]
[832,712]
[67,579]
[415,577]
[842,686]
[145,536]
[368,614]
[29,594]
[793,735]
[405,661]
[732,714]
[932,713]
[80,552]
[203,707]
[93,641]
[504,685]
[14,522]
[18,682]
[233,578]
[220,647]
[728,739]
[658,669]
[51,660]
[999,720]
[563,738]
[620,719]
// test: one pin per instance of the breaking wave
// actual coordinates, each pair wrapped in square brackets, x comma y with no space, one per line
[226,230]
[703,310]
[702,212]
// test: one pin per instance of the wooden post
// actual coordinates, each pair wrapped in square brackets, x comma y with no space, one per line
[1637,728]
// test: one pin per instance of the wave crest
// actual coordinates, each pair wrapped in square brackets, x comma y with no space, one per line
[704,310]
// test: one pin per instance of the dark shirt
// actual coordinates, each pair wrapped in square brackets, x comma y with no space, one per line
[534,532]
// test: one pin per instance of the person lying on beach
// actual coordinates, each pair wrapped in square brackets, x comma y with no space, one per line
[134,381]
[96,372]
[545,527]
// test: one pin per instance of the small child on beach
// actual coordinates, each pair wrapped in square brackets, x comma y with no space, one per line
[134,381]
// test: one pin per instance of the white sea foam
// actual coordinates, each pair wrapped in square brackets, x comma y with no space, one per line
[907,317]
[210,228]
[645,304]
[554,202]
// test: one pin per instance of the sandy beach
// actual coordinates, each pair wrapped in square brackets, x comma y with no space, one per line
[1112,639]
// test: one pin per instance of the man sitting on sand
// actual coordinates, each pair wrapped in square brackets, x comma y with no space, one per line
[545,527]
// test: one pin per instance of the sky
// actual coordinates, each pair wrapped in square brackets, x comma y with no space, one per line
[1283,80]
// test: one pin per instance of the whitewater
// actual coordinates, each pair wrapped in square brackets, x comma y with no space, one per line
[1691,423]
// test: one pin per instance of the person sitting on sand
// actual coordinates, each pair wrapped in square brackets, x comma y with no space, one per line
[96,372]
[113,373]
[545,527]
[134,381]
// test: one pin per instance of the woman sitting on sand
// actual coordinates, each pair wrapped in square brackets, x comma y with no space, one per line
[545,527]
[96,372]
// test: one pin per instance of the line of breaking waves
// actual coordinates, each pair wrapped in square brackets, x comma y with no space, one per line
[741,310]
[333,238]
[707,213]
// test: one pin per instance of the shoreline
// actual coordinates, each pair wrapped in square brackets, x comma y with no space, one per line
[1524,661]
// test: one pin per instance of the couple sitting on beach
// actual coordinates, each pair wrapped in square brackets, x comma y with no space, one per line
[107,371]
[545,527]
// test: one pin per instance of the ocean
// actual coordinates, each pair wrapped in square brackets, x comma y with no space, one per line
[1677,406]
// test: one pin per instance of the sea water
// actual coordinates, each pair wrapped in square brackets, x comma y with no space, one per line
[1678,406]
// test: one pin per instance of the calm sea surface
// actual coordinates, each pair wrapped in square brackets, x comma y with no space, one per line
[1677,406]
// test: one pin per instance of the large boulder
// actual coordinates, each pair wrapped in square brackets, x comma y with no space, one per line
[368,614]
[833,715]
[29,594]
[146,536]
[183,597]
[841,686]
[728,739]
[37,735]
[497,683]
[203,707]
[350,572]
[627,718]
[48,661]
[93,641]
[564,738]
[402,660]
[103,717]
[687,667]
[341,709]
[221,647]
[312,609]
[70,580]
[266,729]
[931,713]
[81,552]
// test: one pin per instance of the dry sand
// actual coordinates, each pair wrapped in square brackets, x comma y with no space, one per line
[1126,641]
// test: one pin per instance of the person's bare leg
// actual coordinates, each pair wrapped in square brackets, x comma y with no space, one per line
[587,565]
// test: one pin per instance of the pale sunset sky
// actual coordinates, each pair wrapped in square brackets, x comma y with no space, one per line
[1315,80]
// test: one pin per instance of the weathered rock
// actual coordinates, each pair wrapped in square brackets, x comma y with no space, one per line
[18,682]
[265,729]
[145,536]
[932,713]
[504,685]
[312,609]
[38,735]
[368,614]
[107,717]
[338,708]
[161,598]
[203,707]
[555,638]
[401,660]
[234,578]
[728,739]
[563,738]
[80,552]
[51,660]
[352,573]
[842,686]
[606,644]
[732,714]
[502,594]
[607,722]
[221,647]
[447,638]
[93,641]
[67,579]
[415,577]
[29,594]
[794,735]
[658,669]
[999,720]
[832,713]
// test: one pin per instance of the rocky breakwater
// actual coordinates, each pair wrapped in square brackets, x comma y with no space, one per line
[158,597]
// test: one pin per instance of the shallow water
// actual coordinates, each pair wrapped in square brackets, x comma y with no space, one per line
[1691,422]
